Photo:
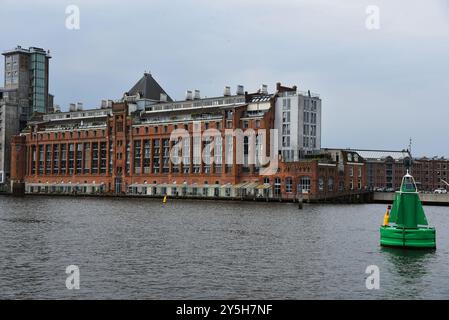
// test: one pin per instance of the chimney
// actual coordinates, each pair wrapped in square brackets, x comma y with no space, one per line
[197,95]
[264,89]
[188,95]
[72,107]
[163,97]
[227,91]
[240,90]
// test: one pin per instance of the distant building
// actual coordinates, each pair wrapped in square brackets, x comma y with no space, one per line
[25,93]
[27,80]
[9,126]
[431,173]
[352,168]
[384,168]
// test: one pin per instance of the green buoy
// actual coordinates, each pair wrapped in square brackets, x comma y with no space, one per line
[406,225]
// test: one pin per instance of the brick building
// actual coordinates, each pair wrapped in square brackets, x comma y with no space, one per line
[384,168]
[431,173]
[130,148]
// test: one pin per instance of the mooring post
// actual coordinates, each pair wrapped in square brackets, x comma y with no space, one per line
[300,203]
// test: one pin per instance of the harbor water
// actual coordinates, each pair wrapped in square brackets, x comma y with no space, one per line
[145,249]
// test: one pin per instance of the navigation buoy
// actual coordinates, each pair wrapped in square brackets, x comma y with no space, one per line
[406,225]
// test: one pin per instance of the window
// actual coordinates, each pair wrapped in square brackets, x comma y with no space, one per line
[330,184]
[146,156]
[288,184]
[137,156]
[286,141]
[304,185]
[286,103]
[156,154]
[166,155]
[306,130]
[306,142]
[320,184]
[79,158]
[277,187]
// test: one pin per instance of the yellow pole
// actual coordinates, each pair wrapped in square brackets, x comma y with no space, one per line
[165,199]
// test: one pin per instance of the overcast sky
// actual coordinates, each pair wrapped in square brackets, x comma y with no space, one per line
[378,87]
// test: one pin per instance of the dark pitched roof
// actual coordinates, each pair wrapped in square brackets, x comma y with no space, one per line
[148,88]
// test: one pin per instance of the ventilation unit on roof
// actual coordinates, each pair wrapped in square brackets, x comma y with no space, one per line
[227,91]
[72,107]
[189,95]
[264,89]
[197,95]
[240,90]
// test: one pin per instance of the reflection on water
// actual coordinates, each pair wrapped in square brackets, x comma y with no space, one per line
[140,248]
[410,269]
[409,262]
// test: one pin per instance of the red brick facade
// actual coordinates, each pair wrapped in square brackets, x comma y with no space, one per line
[121,156]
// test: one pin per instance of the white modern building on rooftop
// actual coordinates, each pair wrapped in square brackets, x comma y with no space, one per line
[298,120]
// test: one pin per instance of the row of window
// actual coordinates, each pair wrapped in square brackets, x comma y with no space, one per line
[79,158]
